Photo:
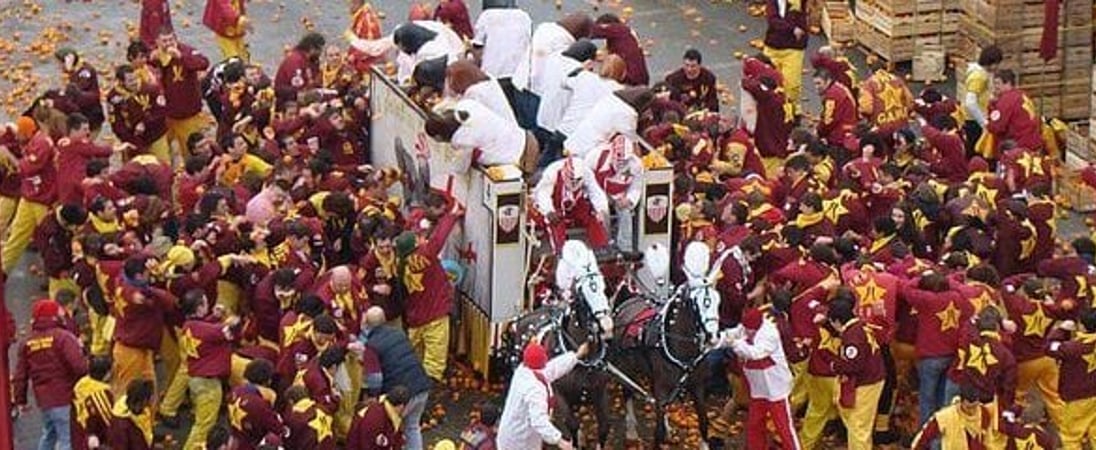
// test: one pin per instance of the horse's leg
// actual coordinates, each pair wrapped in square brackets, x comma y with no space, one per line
[631,424]
[700,403]
[570,418]
[601,409]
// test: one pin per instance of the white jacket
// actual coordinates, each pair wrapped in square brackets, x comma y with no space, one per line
[609,116]
[490,94]
[773,383]
[504,34]
[586,88]
[543,192]
[554,100]
[548,39]
[447,43]
[499,141]
[525,422]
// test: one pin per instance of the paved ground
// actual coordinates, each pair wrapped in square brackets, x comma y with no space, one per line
[100,29]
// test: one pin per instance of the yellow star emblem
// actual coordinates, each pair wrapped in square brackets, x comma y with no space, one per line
[236,414]
[949,317]
[1028,245]
[1032,165]
[980,358]
[829,342]
[870,293]
[1090,358]
[1027,443]
[1036,322]
[982,300]
[987,194]
[321,424]
[189,344]
[834,209]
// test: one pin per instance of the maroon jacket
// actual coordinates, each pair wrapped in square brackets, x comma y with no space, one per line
[939,315]
[54,243]
[180,77]
[1075,380]
[621,41]
[140,322]
[773,126]
[81,95]
[72,162]
[254,414]
[212,352]
[51,359]
[130,109]
[307,423]
[861,360]
[780,34]
[373,430]
[155,15]
[320,387]
[296,74]
[125,434]
[455,14]
[432,298]
[38,170]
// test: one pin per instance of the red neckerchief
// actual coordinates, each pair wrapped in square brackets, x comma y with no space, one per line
[551,395]
[758,364]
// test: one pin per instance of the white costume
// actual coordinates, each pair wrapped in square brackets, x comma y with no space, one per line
[498,140]
[772,383]
[504,34]
[490,94]
[548,39]
[609,116]
[526,423]
[619,172]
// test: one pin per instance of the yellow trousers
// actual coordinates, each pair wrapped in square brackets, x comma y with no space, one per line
[348,403]
[1079,423]
[160,149]
[228,296]
[206,395]
[178,131]
[177,378]
[790,64]
[1042,374]
[232,47]
[236,372]
[7,212]
[130,364]
[431,344]
[800,391]
[27,216]
[860,419]
[821,408]
[102,331]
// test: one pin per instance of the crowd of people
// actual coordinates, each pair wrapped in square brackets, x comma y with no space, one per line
[237,251]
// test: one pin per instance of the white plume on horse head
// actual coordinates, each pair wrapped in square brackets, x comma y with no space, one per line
[656,259]
[702,275]
[578,272]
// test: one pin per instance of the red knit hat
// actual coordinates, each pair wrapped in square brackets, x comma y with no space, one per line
[45,308]
[535,356]
[751,319]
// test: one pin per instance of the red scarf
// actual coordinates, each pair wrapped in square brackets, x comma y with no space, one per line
[551,395]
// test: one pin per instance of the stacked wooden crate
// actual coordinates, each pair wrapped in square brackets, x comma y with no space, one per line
[1061,87]
[838,22]
[895,29]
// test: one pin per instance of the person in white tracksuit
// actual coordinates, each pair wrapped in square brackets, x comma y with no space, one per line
[756,342]
[526,422]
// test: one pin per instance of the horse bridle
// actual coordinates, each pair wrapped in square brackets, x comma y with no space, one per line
[699,339]
[594,329]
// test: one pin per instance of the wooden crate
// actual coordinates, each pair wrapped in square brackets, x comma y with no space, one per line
[896,49]
[1077,195]
[906,7]
[838,22]
[907,25]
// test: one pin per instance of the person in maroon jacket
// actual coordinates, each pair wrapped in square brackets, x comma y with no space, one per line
[181,69]
[1075,355]
[1012,114]
[81,93]
[132,424]
[429,292]
[300,70]
[838,116]
[860,372]
[155,18]
[693,85]
[309,426]
[137,114]
[379,424]
[987,363]
[73,154]
[51,360]
[940,312]
[785,42]
[53,238]
[206,342]
[455,14]
[768,98]
[318,376]
[251,413]
[38,187]
[621,40]
[92,404]
[949,160]
[139,310]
